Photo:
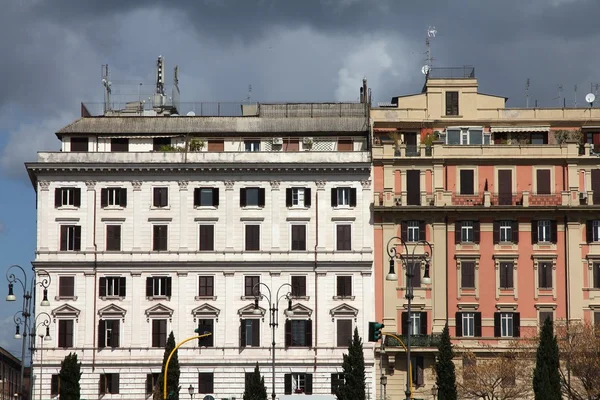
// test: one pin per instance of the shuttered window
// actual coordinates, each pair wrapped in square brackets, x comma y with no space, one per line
[467,274]
[251,286]
[343,332]
[543,181]
[113,237]
[467,177]
[65,333]
[298,286]
[119,144]
[159,332]
[160,197]
[252,237]
[344,237]
[344,286]
[545,275]
[298,237]
[451,103]
[207,238]
[66,286]
[80,144]
[206,382]
[206,285]
[160,238]
[506,275]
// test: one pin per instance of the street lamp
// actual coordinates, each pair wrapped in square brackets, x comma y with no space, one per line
[434,390]
[44,335]
[273,317]
[409,260]
[191,392]
[22,317]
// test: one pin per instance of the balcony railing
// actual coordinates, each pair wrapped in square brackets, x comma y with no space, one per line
[432,340]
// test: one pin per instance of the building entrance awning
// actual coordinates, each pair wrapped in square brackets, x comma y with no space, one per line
[501,129]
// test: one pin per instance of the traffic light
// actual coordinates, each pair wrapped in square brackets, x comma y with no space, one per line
[375,331]
[201,330]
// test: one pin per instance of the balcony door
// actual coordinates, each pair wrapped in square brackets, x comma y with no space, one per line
[410,139]
[504,187]
[413,187]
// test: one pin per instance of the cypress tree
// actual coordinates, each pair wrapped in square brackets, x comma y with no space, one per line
[546,375]
[444,368]
[70,372]
[172,375]
[255,387]
[353,367]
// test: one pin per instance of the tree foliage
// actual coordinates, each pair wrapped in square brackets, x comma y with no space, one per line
[444,368]
[70,373]
[546,375]
[172,375]
[255,386]
[579,349]
[353,367]
[504,375]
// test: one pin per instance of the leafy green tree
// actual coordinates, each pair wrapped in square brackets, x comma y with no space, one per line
[444,368]
[172,375]
[70,373]
[255,387]
[353,367]
[546,375]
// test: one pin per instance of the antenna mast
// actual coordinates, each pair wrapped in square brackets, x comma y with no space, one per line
[431,32]
[527,93]
[575,95]
[107,90]
[559,96]
[159,95]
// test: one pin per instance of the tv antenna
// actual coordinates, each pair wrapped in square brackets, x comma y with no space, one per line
[431,32]
[107,87]
[559,95]
[249,93]
[590,97]
[575,95]
[527,92]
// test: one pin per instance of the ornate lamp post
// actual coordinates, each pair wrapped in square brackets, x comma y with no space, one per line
[408,260]
[44,335]
[191,392]
[273,317]
[22,317]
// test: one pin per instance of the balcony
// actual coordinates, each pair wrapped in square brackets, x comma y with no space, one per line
[432,340]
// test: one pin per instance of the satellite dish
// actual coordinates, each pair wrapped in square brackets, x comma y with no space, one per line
[208,397]
[191,114]
[590,97]
[425,69]
[174,115]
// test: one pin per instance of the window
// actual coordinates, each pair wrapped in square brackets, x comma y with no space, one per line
[252,197]
[451,103]
[596,275]
[119,144]
[297,197]
[251,286]
[467,274]
[544,231]
[592,231]
[108,333]
[206,382]
[337,381]
[544,315]
[466,231]
[66,286]
[545,275]
[250,333]
[65,333]
[160,197]
[112,286]
[80,144]
[70,238]
[160,238]
[297,383]
[418,321]
[344,332]
[151,382]
[507,324]
[507,232]
[67,197]
[252,145]
[298,333]
[344,286]
[113,237]
[417,363]
[113,197]
[55,385]
[345,145]
[159,332]
[597,319]
[207,238]
[467,186]
[158,286]
[344,237]
[469,363]
[252,237]
[298,237]
[206,197]
[468,324]
[206,285]
[543,181]
[206,326]
[343,197]
[159,143]
[506,275]
[413,231]
[109,383]
[298,286]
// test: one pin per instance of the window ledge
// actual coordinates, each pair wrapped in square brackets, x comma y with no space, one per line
[591,289]
[300,208]
[205,207]
[68,208]
[252,208]
[344,297]
[344,208]
[306,298]
[112,297]
[158,298]
[74,298]
[160,208]
[249,297]
[113,208]
[205,298]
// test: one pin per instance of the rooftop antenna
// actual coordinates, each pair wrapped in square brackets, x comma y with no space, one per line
[575,97]
[247,99]
[559,95]
[590,97]
[159,96]
[527,92]
[431,32]
[107,90]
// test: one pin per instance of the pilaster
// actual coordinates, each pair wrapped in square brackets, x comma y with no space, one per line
[574,271]
[439,277]
[137,224]
[390,294]
[183,212]
[322,210]
[275,211]
[90,208]
[229,206]
[43,204]
[367,235]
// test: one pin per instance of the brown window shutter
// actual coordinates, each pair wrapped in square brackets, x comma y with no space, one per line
[77,197]
[534,232]
[458,323]
[243,333]
[102,290]
[308,384]
[405,323]
[288,197]
[423,319]
[553,231]
[477,324]
[543,181]
[307,198]
[287,383]
[458,232]
[122,286]
[103,197]
[57,197]
[63,237]
[255,333]
[168,286]
[77,238]
[123,197]
[515,232]
[497,331]
[288,333]
[476,232]
[308,333]
[334,202]
[101,334]
[215,197]
[496,233]
[404,231]
[516,324]
[196,197]
[352,199]
[261,197]
[243,197]
[589,233]
[422,230]
[115,342]
[149,287]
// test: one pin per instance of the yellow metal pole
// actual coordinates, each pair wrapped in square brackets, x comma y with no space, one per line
[171,355]
[405,349]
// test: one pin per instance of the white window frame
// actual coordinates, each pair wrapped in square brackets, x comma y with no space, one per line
[251,145]
[212,200]
[298,197]
[114,285]
[298,382]
[248,328]
[343,196]
[544,228]
[106,331]
[412,231]
[295,223]
[111,196]
[464,136]
[467,234]
[468,324]
[159,288]
[67,197]
[415,321]
[257,190]
[596,230]
[506,231]
[506,324]
[70,232]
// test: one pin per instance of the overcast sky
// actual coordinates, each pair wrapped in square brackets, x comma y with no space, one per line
[51,52]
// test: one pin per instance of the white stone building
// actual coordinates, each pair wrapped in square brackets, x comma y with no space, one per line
[141,240]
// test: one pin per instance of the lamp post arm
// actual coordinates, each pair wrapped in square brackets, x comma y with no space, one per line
[171,355]
[45,281]
[12,278]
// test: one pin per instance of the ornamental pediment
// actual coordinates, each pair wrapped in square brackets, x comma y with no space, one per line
[159,311]
[343,310]
[205,310]
[65,311]
[300,310]
[248,310]
[112,310]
